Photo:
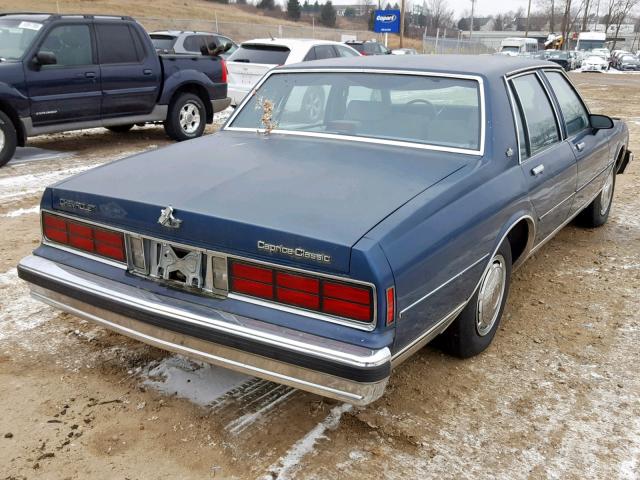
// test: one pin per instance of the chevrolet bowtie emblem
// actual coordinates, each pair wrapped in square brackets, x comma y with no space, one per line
[167,219]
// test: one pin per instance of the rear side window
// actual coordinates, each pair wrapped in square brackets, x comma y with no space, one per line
[267,54]
[163,42]
[538,122]
[575,115]
[324,51]
[345,52]
[71,44]
[193,43]
[116,44]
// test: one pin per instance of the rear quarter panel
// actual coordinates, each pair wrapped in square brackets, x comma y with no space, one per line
[182,70]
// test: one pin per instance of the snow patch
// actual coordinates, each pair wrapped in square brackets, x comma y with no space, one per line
[18,311]
[21,211]
[198,382]
[287,464]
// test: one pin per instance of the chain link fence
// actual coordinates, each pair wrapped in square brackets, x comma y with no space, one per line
[241,32]
[439,45]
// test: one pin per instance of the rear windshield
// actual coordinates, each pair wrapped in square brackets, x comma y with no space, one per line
[163,42]
[437,111]
[267,54]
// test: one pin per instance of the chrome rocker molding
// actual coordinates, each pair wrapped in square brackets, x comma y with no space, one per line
[327,367]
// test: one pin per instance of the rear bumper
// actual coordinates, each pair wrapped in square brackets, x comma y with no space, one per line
[220,104]
[327,367]
[237,94]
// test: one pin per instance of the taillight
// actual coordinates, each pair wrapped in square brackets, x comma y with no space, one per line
[391,305]
[85,237]
[337,298]
[225,74]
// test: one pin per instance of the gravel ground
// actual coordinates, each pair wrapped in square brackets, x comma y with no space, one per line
[556,396]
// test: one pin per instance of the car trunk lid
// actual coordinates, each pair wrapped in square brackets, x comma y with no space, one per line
[239,192]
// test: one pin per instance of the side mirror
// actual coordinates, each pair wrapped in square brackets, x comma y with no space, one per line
[600,122]
[45,58]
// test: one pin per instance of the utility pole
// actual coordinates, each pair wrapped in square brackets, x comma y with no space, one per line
[402,24]
[473,4]
[526,33]
[552,20]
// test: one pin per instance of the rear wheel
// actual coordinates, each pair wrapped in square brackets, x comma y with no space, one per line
[8,139]
[120,128]
[186,118]
[597,212]
[474,329]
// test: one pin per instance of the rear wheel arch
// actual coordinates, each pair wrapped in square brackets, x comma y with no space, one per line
[621,150]
[521,236]
[198,90]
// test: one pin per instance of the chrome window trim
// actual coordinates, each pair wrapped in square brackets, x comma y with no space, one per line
[208,288]
[527,69]
[512,102]
[476,152]
[553,107]
[575,90]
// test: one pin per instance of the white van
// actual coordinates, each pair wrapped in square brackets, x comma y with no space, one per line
[515,46]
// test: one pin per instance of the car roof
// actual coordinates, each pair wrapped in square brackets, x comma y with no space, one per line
[483,65]
[176,33]
[290,42]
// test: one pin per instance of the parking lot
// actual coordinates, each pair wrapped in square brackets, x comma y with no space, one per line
[557,395]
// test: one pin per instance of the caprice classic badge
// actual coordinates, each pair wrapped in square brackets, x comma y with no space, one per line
[296,252]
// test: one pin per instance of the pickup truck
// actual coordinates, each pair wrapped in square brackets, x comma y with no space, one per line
[70,72]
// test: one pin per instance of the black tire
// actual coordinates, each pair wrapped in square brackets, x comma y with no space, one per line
[120,128]
[596,213]
[467,336]
[181,128]
[8,139]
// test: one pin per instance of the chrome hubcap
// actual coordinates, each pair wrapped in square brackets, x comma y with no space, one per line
[1,140]
[189,117]
[606,195]
[490,295]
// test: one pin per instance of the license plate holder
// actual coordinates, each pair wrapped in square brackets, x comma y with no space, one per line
[179,265]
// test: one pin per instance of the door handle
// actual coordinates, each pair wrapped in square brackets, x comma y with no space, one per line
[147,71]
[580,146]
[90,74]
[535,171]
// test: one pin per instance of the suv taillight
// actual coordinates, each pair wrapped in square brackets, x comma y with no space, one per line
[82,236]
[318,294]
[225,74]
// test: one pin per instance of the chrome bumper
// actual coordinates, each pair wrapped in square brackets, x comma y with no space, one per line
[327,367]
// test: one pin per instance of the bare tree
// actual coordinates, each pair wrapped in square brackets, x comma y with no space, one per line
[498,22]
[441,15]
[623,8]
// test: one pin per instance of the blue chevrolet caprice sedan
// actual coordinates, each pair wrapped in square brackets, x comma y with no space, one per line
[349,212]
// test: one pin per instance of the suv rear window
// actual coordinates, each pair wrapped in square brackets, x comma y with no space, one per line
[267,54]
[163,42]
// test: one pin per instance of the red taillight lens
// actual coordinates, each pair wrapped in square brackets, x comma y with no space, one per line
[225,73]
[85,237]
[354,302]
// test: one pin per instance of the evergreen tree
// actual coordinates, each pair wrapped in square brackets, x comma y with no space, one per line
[316,7]
[328,15]
[266,4]
[293,9]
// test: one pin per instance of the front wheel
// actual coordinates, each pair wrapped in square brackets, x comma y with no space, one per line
[597,212]
[472,332]
[8,139]
[186,118]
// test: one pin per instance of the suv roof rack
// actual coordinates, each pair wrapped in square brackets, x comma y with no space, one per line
[55,16]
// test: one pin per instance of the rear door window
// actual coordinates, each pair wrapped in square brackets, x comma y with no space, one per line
[266,54]
[324,51]
[345,51]
[539,128]
[116,44]
[193,43]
